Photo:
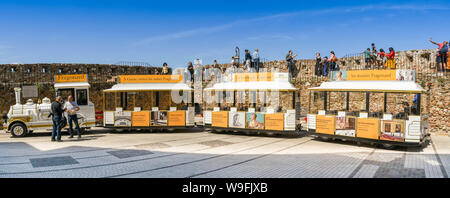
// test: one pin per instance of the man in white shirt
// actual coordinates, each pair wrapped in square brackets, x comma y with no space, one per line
[71,109]
[256,60]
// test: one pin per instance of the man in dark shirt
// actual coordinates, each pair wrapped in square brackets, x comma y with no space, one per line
[248,60]
[57,111]
[290,63]
[191,71]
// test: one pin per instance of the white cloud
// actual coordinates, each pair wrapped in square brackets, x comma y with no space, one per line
[218,28]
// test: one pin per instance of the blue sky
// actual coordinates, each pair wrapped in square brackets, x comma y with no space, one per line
[80,31]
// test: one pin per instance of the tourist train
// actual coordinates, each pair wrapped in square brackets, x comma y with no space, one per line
[249,103]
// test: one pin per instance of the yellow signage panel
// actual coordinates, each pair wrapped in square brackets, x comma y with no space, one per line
[274,121]
[176,118]
[252,77]
[372,75]
[325,124]
[70,78]
[150,78]
[220,119]
[367,128]
[140,119]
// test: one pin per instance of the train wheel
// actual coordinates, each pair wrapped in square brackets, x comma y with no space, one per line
[324,138]
[19,130]
[387,146]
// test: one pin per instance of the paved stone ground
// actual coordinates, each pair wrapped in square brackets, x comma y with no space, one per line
[103,153]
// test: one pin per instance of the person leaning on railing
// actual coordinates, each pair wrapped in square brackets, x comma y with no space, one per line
[390,63]
[381,58]
[443,55]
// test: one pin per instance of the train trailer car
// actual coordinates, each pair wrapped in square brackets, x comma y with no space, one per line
[153,102]
[251,103]
[376,106]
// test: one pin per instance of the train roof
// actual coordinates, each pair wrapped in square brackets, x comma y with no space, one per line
[259,85]
[71,85]
[371,86]
[148,87]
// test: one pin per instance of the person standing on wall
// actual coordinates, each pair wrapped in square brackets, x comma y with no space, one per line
[190,69]
[71,107]
[290,63]
[248,60]
[57,113]
[333,62]
[381,58]
[165,70]
[443,55]
[325,64]
[367,58]
[374,55]
[391,58]
[319,67]
[256,60]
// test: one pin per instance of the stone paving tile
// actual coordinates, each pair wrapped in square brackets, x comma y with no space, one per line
[53,161]
[126,153]
[215,143]
[156,145]
[388,172]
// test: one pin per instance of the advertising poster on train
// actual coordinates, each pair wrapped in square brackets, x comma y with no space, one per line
[141,119]
[392,130]
[325,124]
[338,75]
[274,121]
[311,121]
[346,126]
[371,75]
[367,128]
[289,120]
[122,118]
[176,118]
[108,118]
[159,118]
[406,75]
[236,120]
[255,120]
[190,116]
[207,117]
[220,119]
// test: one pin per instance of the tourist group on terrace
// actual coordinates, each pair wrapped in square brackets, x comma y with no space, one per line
[374,58]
